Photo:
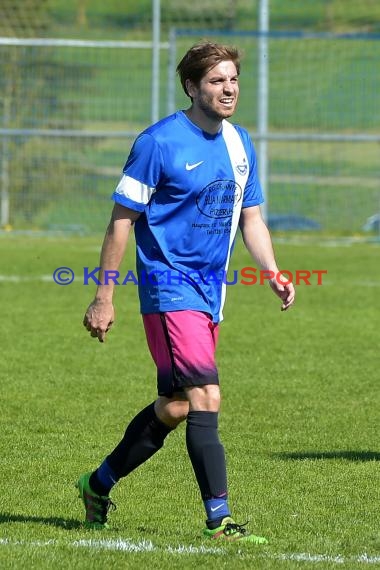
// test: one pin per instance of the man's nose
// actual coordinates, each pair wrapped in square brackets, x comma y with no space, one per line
[227,87]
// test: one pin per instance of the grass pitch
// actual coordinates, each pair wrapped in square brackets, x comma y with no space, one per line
[299,418]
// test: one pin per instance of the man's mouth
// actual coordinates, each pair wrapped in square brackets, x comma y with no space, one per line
[228,101]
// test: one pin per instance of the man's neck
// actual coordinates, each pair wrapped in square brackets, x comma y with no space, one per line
[207,124]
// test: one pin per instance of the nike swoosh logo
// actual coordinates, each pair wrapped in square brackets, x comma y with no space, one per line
[192,166]
[216,508]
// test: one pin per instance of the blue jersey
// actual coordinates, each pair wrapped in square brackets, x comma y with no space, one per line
[190,187]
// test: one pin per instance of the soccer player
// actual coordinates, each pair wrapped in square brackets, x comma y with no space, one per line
[189,182]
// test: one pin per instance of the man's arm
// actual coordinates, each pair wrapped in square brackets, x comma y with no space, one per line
[258,242]
[100,313]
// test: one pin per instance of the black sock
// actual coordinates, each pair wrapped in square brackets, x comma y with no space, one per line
[143,437]
[206,454]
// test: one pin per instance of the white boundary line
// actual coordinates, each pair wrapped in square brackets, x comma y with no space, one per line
[127,545]
[25,279]
[119,544]
[315,241]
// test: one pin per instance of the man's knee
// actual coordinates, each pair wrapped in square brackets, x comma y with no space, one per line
[171,411]
[204,398]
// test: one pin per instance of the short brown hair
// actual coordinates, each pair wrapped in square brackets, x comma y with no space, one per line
[202,57]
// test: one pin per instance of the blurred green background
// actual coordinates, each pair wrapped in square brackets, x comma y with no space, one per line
[91,102]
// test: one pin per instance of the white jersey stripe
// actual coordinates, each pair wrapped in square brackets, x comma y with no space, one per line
[134,190]
[237,156]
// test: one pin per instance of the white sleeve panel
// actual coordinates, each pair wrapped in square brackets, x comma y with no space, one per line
[134,190]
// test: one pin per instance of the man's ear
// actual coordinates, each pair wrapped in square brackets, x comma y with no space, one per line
[190,88]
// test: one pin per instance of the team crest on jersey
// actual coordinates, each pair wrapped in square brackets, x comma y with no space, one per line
[242,168]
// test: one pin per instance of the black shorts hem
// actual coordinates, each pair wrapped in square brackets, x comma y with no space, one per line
[180,384]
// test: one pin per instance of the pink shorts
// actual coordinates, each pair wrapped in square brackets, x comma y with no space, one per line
[182,344]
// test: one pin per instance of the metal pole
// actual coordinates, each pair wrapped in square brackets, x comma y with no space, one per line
[4,164]
[4,222]
[156,25]
[262,101]
[172,56]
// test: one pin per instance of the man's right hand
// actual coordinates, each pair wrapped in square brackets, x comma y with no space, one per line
[99,318]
